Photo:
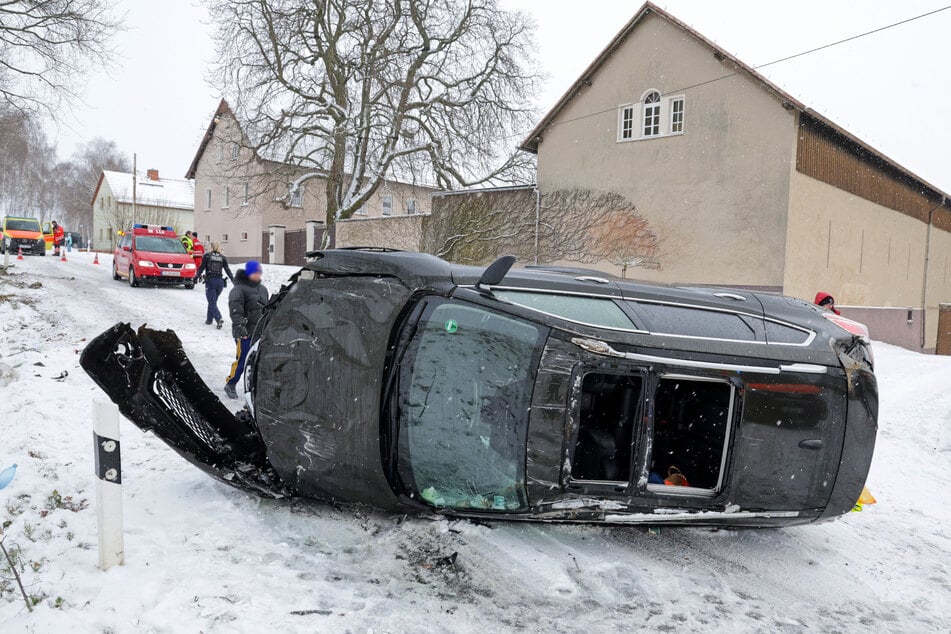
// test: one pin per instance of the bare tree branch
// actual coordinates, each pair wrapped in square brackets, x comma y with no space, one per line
[45,47]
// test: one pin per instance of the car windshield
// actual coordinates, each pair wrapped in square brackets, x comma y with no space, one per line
[465,389]
[158,245]
[21,224]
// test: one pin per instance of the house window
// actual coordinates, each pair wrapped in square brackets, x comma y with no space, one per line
[626,123]
[361,211]
[652,113]
[234,151]
[207,238]
[677,115]
[221,153]
[225,198]
[296,197]
[207,199]
[224,237]
[244,236]
[245,194]
[411,206]
[387,205]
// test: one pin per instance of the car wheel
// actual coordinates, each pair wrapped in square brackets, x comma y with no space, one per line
[189,286]
[115,272]
[42,250]
[132,281]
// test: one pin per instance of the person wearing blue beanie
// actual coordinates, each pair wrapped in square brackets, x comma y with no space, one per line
[245,304]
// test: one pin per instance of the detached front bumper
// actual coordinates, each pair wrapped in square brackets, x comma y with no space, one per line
[147,374]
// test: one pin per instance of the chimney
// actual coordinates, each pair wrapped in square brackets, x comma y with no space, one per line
[152,175]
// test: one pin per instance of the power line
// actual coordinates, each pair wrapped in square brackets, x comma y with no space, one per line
[771,63]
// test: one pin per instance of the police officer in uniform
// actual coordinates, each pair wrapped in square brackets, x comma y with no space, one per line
[213,266]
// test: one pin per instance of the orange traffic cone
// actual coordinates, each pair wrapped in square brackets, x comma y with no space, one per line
[62,255]
[96,259]
[20,253]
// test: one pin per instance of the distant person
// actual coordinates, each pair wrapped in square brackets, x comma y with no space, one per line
[59,235]
[214,266]
[198,249]
[245,304]
[69,243]
[824,300]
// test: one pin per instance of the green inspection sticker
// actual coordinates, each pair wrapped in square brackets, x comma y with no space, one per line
[451,326]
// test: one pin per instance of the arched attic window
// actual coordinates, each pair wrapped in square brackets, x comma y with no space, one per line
[651,111]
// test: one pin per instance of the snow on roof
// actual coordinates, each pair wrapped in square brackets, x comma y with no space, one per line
[164,192]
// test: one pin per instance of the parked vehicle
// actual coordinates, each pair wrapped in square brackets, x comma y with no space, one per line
[152,254]
[22,234]
[401,381]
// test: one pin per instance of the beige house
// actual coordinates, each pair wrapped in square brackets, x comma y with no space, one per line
[246,203]
[158,201]
[745,185]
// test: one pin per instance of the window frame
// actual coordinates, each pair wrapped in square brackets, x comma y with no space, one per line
[731,419]
[224,237]
[672,102]
[651,110]
[411,207]
[296,197]
[208,199]
[626,115]
[226,197]
[386,205]
[245,194]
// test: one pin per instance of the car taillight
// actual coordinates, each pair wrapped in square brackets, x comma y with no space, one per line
[849,326]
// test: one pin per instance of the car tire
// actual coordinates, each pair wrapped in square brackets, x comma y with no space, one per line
[115,272]
[189,286]
[132,281]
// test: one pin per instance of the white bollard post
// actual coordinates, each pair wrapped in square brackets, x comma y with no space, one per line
[109,486]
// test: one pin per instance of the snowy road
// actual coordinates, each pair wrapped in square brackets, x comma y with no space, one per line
[204,557]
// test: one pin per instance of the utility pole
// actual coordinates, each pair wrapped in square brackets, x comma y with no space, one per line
[134,171]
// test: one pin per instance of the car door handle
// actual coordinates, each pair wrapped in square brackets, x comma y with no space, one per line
[815,444]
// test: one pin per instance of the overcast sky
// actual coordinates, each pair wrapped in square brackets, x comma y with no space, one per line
[892,89]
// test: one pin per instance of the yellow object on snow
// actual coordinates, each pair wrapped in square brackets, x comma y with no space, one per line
[865,498]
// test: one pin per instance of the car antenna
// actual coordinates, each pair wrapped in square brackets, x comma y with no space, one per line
[494,273]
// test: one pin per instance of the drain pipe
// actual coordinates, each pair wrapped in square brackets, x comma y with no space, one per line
[538,218]
[924,285]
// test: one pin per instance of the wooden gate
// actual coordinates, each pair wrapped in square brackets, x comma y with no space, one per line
[944,330]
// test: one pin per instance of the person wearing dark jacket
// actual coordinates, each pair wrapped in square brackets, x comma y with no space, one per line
[245,304]
[214,266]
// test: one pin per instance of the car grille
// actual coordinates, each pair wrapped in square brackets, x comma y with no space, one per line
[169,265]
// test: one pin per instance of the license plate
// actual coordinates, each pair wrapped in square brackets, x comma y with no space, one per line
[171,273]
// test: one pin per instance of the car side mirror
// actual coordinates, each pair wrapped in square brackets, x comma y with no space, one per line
[127,248]
[495,272]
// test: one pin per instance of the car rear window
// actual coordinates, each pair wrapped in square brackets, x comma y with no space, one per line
[158,245]
[594,311]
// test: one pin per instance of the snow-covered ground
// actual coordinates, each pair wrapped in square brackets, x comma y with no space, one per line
[201,556]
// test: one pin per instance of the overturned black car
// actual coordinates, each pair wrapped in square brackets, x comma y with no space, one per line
[398,380]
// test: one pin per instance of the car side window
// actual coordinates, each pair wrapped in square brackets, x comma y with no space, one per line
[465,389]
[686,321]
[593,311]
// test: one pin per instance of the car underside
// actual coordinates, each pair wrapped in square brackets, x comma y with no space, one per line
[400,381]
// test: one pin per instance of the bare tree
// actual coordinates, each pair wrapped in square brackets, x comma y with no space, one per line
[26,158]
[581,226]
[355,91]
[45,47]
[76,179]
